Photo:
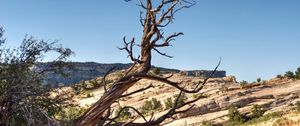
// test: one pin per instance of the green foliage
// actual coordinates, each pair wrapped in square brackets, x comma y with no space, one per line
[257,111]
[168,103]
[279,76]
[234,115]
[125,114]
[206,123]
[181,100]
[258,80]
[289,74]
[88,94]
[156,104]
[69,114]
[150,106]
[298,106]
[243,82]
[94,83]
[76,89]
[266,117]
[25,93]
[297,73]
[156,70]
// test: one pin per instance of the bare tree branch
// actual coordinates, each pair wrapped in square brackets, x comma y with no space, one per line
[137,91]
[128,47]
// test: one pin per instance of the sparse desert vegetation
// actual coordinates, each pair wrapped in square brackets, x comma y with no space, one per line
[41,85]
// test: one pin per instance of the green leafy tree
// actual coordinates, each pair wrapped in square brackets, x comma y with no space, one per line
[258,80]
[289,74]
[25,93]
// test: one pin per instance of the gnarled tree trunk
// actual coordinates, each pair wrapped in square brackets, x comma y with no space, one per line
[153,19]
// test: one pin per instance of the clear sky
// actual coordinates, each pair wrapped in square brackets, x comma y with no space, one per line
[255,38]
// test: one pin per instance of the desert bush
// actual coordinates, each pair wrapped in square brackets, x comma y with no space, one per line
[150,106]
[206,123]
[264,118]
[88,94]
[76,89]
[279,76]
[156,71]
[234,115]
[298,106]
[156,104]
[289,74]
[94,83]
[297,73]
[181,100]
[257,111]
[69,114]
[243,82]
[125,114]
[168,103]
[258,80]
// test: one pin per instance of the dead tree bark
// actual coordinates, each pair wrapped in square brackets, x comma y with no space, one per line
[153,18]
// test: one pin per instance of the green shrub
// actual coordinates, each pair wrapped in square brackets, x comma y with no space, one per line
[94,83]
[156,104]
[124,115]
[195,96]
[234,115]
[181,100]
[257,111]
[243,82]
[150,106]
[297,73]
[156,71]
[264,118]
[258,80]
[168,103]
[289,74]
[88,94]
[69,114]
[298,106]
[76,89]
[206,123]
[279,76]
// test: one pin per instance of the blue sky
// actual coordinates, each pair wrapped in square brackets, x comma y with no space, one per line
[255,38]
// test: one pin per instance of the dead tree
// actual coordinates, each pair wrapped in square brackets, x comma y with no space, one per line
[155,16]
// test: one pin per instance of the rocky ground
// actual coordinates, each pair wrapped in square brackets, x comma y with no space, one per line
[275,95]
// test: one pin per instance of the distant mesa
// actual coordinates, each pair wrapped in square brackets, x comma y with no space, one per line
[83,71]
[204,73]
